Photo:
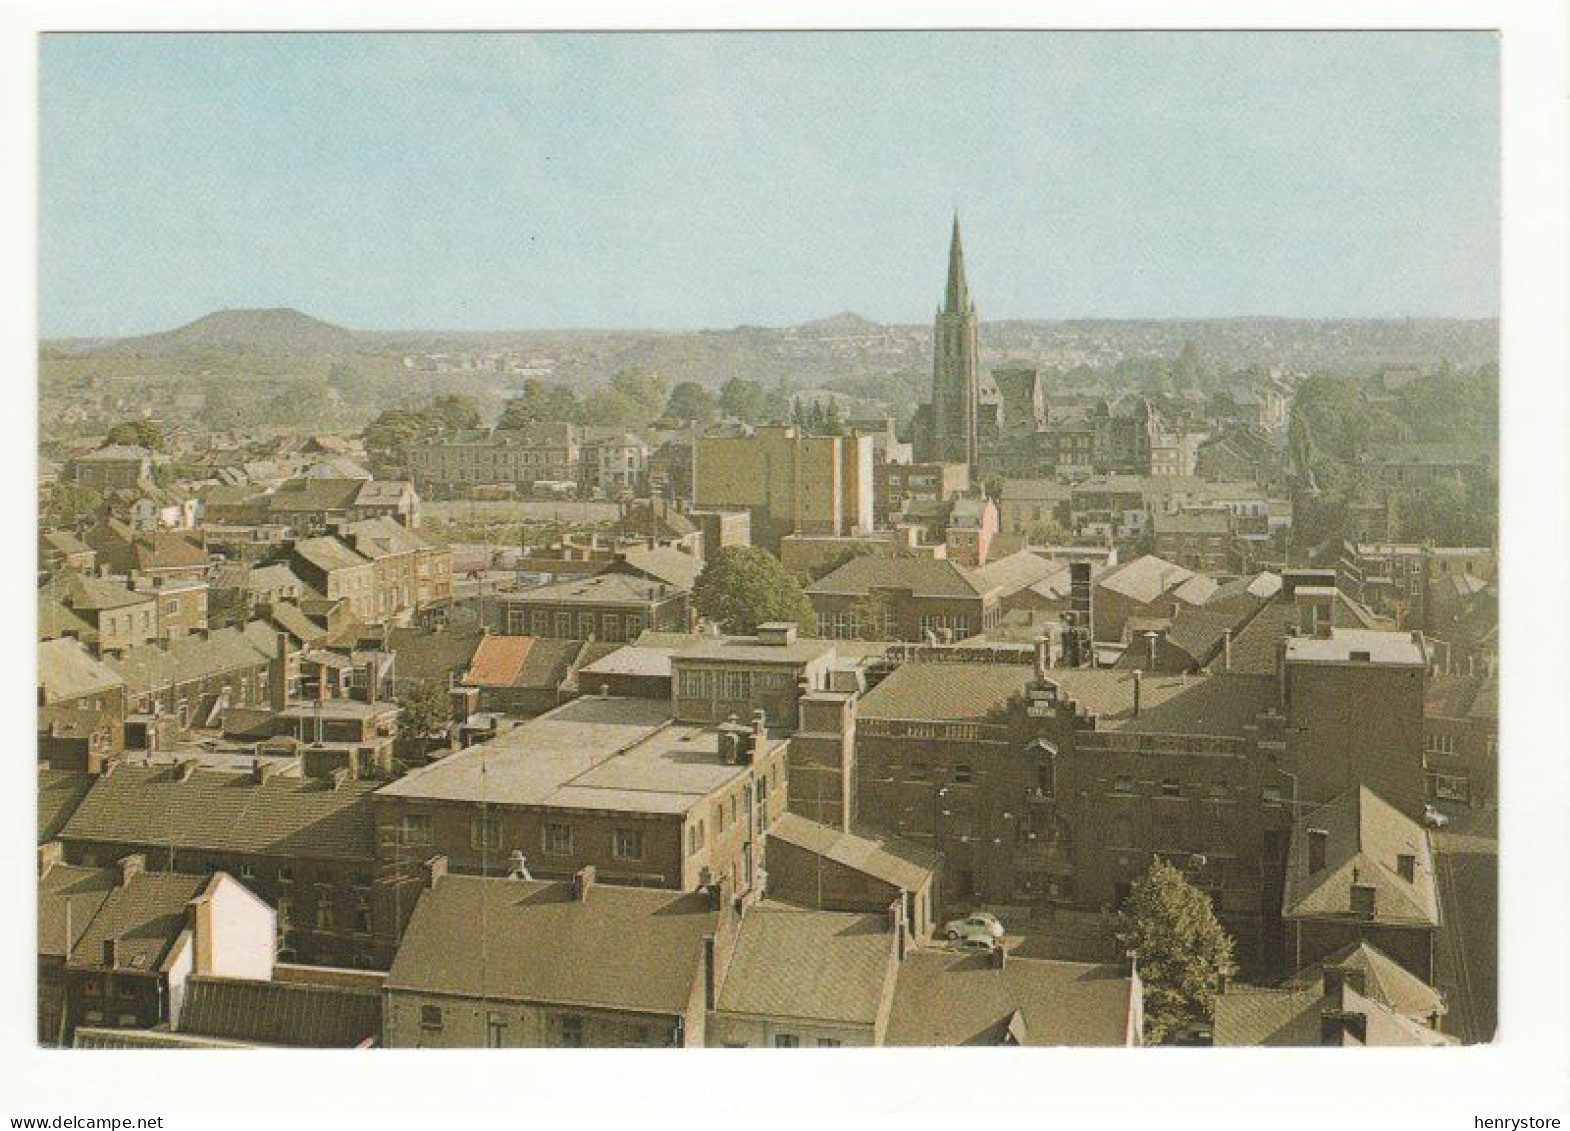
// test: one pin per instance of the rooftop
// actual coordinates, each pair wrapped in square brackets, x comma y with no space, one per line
[633,949]
[946,998]
[1365,838]
[823,966]
[598,752]
[1349,645]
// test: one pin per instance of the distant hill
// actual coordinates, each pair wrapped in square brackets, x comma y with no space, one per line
[276,331]
[837,325]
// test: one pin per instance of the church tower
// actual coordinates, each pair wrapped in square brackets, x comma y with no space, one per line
[954,366]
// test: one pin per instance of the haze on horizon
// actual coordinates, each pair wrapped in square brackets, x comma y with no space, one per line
[468,182]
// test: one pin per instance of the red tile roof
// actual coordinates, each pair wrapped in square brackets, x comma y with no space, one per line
[498,660]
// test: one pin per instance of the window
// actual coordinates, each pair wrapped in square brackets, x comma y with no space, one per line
[362,917]
[1122,785]
[564,625]
[485,832]
[786,1041]
[285,874]
[572,1031]
[285,911]
[558,839]
[1439,743]
[415,829]
[828,1043]
[541,623]
[1171,788]
[962,773]
[431,1017]
[1270,795]
[324,915]
[627,844]
[918,771]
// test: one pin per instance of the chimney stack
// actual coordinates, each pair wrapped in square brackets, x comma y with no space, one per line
[1043,659]
[1337,1024]
[1318,839]
[49,855]
[130,867]
[112,953]
[278,676]
[261,770]
[186,769]
[1137,679]
[582,881]
[1226,650]
[435,869]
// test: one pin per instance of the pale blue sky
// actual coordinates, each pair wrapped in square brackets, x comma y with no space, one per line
[487,182]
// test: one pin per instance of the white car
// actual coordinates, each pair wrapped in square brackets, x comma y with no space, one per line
[979,923]
[1434,818]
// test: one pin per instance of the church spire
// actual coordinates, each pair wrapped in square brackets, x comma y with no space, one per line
[956,299]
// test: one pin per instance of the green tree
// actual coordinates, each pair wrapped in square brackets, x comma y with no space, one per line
[647,391]
[424,712]
[539,402]
[455,413]
[743,399]
[742,587]
[138,433]
[72,506]
[1180,947]
[691,403]
[611,408]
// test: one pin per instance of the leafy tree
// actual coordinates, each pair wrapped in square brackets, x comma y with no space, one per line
[691,403]
[611,408]
[387,436]
[72,506]
[1181,949]
[138,433]
[425,712]
[742,587]
[745,400]
[455,413]
[539,402]
[647,391]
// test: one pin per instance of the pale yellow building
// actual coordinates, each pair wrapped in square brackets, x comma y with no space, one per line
[792,484]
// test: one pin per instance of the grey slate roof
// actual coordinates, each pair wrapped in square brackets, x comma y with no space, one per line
[281,1013]
[924,577]
[948,998]
[633,949]
[227,812]
[802,964]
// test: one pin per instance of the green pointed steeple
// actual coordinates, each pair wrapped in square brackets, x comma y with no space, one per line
[956,299]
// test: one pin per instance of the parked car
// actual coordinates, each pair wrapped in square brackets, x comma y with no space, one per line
[978,923]
[1434,818]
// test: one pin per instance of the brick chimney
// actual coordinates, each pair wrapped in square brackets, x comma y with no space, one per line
[49,855]
[130,867]
[186,769]
[1318,839]
[435,869]
[582,881]
[278,676]
[261,770]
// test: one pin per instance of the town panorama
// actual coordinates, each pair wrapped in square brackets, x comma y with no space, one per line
[1036,683]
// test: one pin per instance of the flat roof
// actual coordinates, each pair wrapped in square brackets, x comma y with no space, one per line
[597,752]
[747,649]
[1367,645]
